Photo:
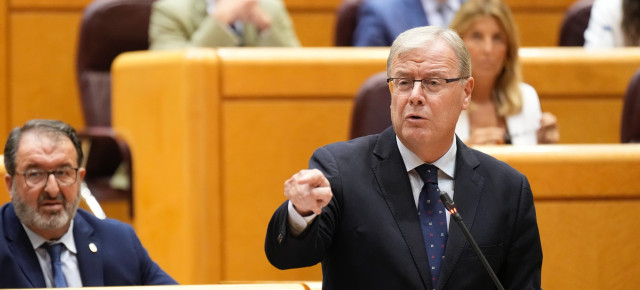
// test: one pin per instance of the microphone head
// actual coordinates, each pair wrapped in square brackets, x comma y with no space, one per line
[447,201]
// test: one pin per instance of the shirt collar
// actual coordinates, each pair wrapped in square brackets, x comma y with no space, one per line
[432,5]
[66,239]
[446,163]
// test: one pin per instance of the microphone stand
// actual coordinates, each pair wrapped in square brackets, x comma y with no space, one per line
[451,207]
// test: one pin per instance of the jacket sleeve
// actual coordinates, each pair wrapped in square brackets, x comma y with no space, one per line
[309,248]
[524,260]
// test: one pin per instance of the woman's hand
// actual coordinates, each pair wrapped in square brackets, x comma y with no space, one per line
[486,136]
[548,132]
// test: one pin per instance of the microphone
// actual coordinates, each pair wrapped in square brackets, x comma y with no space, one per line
[451,207]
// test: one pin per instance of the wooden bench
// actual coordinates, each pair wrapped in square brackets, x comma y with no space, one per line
[588,203]
[214,134]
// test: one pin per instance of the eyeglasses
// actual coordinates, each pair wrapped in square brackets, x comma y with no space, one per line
[404,86]
[65,176]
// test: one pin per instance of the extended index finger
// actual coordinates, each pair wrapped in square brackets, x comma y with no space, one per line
[313,177]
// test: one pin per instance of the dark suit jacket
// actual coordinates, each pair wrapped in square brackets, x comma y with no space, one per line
[120,259]
[369,235]
[381,21]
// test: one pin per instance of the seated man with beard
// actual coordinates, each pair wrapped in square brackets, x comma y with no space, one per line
[45,240]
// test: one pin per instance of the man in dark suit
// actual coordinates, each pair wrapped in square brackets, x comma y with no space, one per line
[381,21]
[43,163]
[360,208]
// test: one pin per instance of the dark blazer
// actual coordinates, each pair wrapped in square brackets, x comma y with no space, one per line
[369,235]
[381,21]
[120,259]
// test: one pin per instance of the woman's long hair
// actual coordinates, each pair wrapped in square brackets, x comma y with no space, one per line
[507,93]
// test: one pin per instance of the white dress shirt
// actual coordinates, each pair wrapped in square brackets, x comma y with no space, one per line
[521,127]
[440,14]
[68,257]
[605,25]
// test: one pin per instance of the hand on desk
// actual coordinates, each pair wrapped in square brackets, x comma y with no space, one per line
[486,136]
[309,191]
[548,132]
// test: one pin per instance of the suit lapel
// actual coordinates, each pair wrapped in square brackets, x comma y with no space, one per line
[393,180]
[21,249]
[89,253]
[468,188]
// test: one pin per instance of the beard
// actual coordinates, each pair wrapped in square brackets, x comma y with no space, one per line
[49,220]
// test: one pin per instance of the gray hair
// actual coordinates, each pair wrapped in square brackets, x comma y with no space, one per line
[425,35]
[49,126]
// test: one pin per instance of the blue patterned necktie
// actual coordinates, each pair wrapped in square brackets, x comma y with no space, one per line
[433,219]
[54,253]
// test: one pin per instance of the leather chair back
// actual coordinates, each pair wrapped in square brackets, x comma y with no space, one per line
[346,21]
[108,28]
[575,22]
[371,113]
[630,125]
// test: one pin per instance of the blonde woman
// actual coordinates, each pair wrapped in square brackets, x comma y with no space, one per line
[503,110]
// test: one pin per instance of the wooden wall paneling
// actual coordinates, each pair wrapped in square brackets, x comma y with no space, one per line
[312,4]
[537,28]
[310,87]
[299,72]
[48,4]
[314,28]
[4,195]
[168,109]
[285,148]
[582,88]
[42,67]
[582,219]
[589,242]
[4,68]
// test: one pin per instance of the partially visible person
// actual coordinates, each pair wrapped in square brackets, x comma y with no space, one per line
[381,21]
[503,110]
[613,23]
[177,24]
[368,209]
[45,240]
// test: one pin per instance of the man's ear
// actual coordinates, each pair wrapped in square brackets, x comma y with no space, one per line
[8,182]
[468,88]
[81,172]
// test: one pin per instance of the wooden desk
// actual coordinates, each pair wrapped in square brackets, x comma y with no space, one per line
[214,133]
[245,286]
[588,203]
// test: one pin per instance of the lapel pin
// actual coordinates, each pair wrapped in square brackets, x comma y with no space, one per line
[93,248]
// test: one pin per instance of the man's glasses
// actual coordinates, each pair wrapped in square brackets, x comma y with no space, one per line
[404,86]
[65,176]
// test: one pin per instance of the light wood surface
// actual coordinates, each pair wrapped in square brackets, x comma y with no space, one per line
[4,76]
[4,194]
[243,286]
[588,203]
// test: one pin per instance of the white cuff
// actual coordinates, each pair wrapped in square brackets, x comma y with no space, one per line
[298,223]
